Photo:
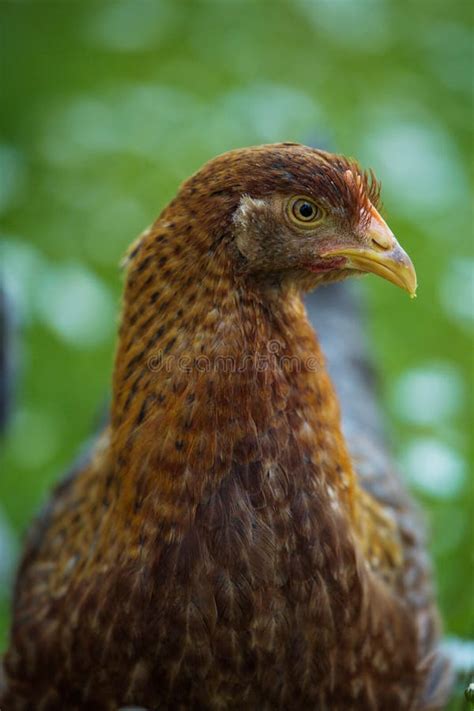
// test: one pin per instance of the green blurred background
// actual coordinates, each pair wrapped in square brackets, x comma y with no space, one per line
[107,106]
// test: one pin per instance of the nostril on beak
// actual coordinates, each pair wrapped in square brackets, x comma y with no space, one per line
[380,234]
[381,246]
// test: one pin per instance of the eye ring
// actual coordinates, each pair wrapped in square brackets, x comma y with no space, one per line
[303,211]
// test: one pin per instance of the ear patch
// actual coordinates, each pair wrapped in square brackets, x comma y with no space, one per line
[248,212]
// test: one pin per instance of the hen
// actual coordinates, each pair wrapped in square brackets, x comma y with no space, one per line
[221,549]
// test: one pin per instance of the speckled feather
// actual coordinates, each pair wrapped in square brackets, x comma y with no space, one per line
[218,550]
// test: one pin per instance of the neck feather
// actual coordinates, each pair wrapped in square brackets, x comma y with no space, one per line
[210,374]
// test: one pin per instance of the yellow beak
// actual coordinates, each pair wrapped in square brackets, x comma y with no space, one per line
[382,256]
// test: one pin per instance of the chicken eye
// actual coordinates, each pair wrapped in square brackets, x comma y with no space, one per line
[304,210]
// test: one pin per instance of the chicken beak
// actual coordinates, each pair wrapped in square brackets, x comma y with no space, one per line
[382,256]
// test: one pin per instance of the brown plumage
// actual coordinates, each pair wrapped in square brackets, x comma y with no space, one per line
[219,549]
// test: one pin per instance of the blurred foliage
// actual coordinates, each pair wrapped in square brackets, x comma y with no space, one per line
[107,106]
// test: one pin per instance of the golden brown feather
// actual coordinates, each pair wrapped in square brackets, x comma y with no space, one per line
[218,550]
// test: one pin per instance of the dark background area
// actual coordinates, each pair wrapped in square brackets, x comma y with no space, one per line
[108,106]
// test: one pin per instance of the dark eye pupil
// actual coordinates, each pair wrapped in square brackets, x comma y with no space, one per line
[306,210]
